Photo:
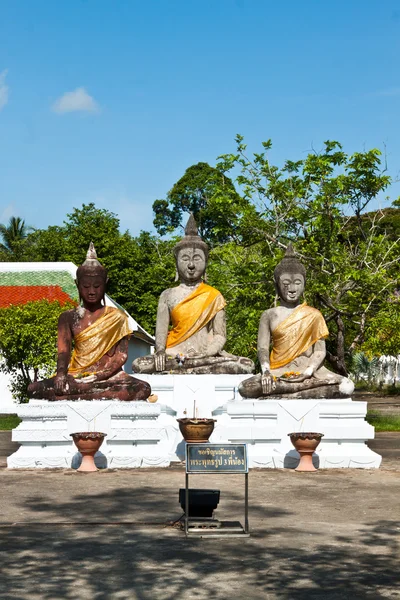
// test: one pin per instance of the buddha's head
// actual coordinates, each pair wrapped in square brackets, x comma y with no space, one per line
[191,255]
[91,279]
[290,277]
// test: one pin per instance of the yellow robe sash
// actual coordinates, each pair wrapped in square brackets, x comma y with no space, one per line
[302,328]
[193,313]
[93,342]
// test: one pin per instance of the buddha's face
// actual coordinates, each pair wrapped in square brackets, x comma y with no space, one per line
[191,264]
[91,289]
[290,287]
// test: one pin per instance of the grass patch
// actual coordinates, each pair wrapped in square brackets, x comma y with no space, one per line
[379,390]
[8,422]
[383,422]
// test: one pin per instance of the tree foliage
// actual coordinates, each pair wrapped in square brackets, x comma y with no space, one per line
[28,338]
[13,238]
[364,367]
[322,203]
[317,203]
[220,212]
[382,335]
[139,268]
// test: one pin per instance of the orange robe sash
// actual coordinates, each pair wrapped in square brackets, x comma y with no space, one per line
[96,340]
[193,313]
[302,328]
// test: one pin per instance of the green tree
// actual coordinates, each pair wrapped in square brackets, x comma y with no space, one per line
[139,268]
[351,269]
[71,241]
[382,334]
[47,245]
[144,268]
[241,273]
[363,367]
[28,337]
[212,198]
[13,238]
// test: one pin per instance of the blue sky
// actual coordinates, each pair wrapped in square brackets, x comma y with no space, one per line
[109,101]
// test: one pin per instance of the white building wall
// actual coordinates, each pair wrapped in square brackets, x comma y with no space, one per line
[7,404]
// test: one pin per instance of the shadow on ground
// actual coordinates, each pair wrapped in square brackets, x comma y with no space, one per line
[154,561]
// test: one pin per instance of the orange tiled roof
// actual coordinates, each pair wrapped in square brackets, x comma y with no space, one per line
[20,294]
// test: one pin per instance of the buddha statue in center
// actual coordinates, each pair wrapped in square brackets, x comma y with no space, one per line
[294,368]
[196,340]
[92,370]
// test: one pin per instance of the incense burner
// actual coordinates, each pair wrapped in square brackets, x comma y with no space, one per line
[196,430]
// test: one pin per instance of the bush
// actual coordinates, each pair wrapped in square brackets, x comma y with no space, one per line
[28,342]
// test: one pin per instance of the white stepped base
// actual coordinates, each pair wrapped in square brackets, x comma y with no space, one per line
[140,434]
[264,425]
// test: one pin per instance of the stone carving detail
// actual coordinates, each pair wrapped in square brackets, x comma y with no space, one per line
[93,370]
[41,435]
[141,433]
[195,344]
[136,411]
[41,412]
[295,368]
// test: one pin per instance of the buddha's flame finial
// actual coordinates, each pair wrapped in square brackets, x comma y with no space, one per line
[91,264]
[191,226]
[290,253]
[91,254]
[289,264]
[191,238]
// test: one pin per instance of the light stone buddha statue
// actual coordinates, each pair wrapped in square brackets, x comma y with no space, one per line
[294,369]
[93,370]
[198,335]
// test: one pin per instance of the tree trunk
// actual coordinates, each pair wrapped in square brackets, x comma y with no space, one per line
[338,362]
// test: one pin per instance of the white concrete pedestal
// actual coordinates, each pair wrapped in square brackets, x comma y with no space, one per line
[264,425]
[140,434]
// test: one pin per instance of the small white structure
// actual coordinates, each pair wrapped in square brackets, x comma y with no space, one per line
[24,281]
[389,369]
[140,434]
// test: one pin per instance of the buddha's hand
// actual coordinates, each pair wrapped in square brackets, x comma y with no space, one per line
[61,385]
[159,360]
[300,378]
[267,383]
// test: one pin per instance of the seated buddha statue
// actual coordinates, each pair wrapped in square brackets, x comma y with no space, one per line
[295,368]
[100,333]
[196,340]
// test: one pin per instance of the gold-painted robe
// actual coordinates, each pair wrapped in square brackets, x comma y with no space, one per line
[293,336]
[92,343]
[193,313]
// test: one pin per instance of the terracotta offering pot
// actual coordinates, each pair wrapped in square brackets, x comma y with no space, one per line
[305,444]
[88,443]
[196,430]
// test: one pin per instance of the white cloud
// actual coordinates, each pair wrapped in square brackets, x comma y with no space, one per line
[3,89]
[76,101]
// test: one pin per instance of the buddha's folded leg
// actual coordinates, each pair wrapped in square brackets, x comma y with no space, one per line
[44,389]
[251,388]
[229,364]
[119,387]
[144,364]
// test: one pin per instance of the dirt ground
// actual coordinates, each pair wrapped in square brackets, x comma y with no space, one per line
[333,534]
